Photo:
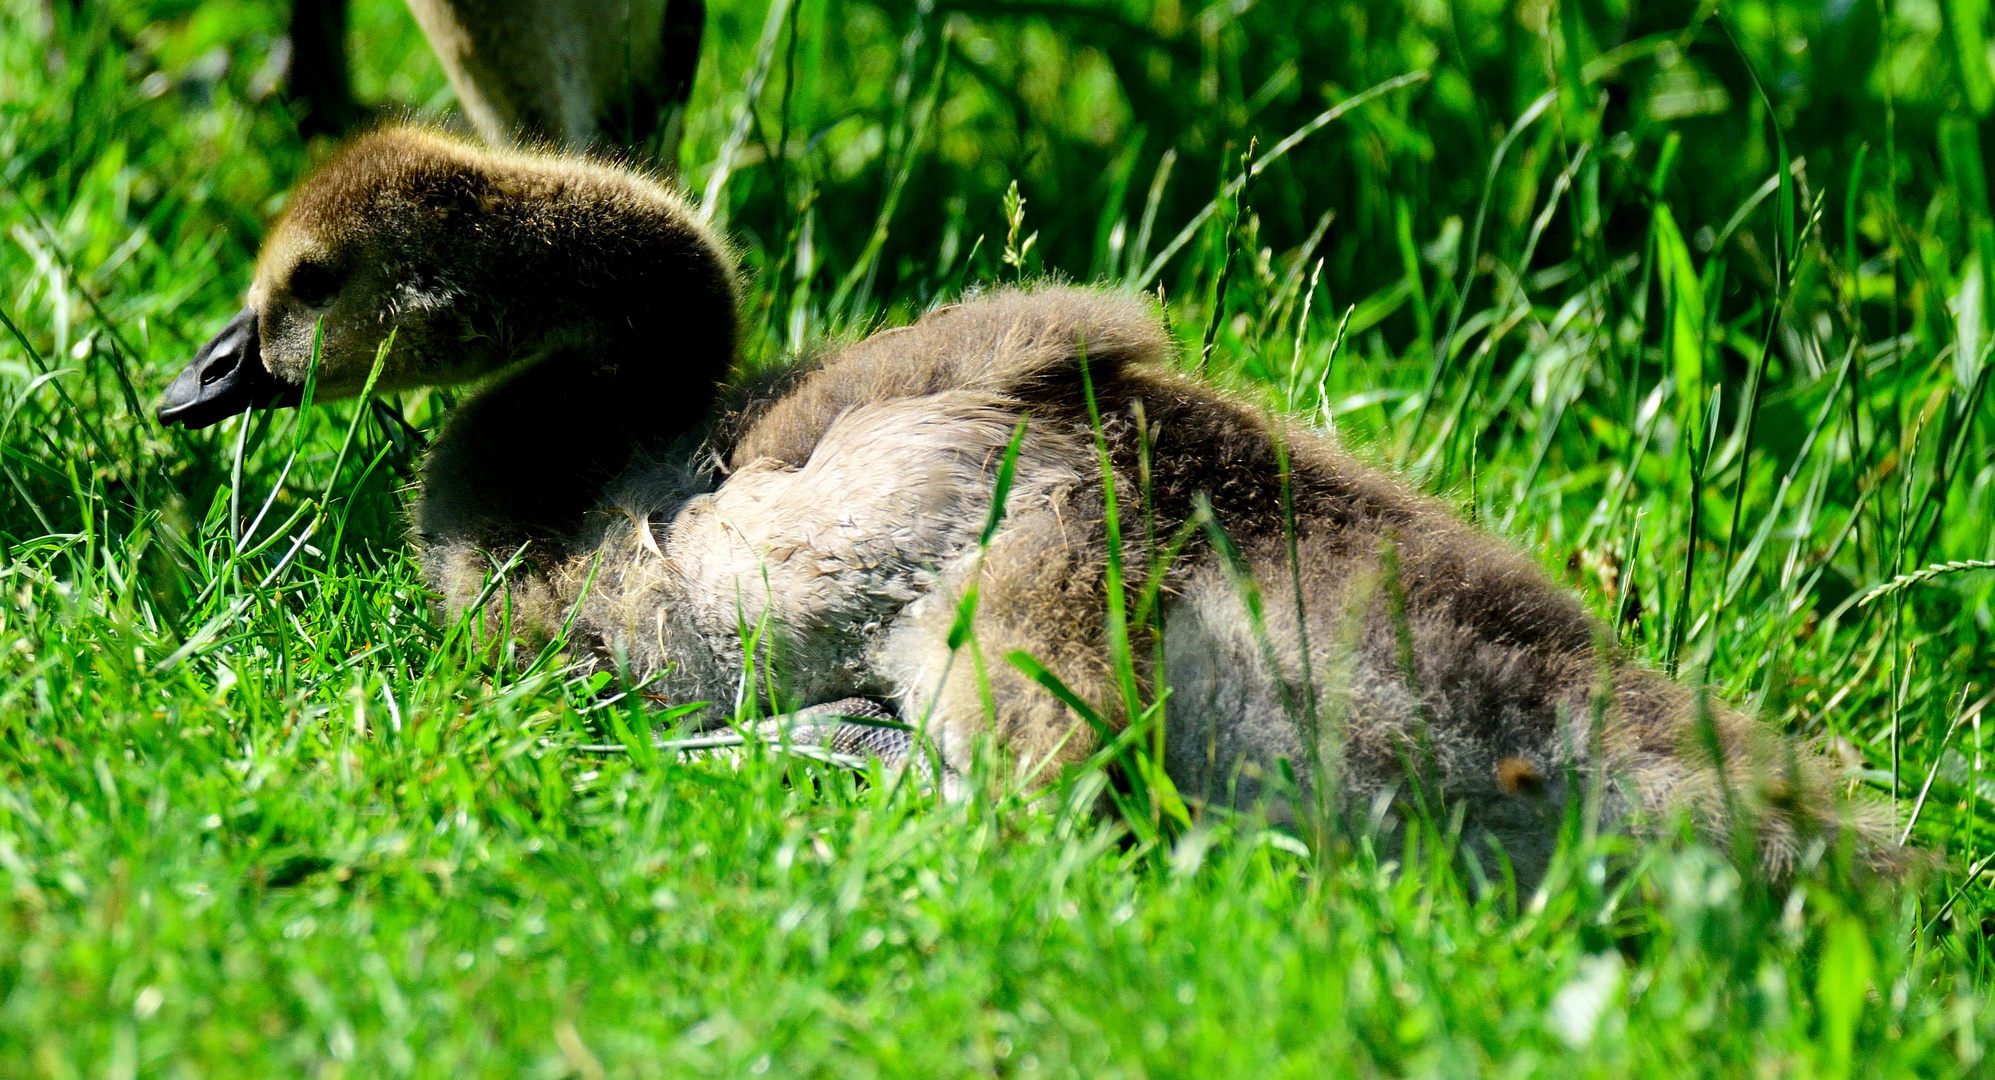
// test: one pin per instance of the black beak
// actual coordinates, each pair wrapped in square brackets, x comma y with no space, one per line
[226,377]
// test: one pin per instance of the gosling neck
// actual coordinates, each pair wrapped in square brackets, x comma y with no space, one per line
[619,334]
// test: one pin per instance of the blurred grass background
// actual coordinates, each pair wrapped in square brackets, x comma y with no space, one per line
[259,816]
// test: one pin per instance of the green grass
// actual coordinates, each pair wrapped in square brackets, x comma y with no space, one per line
[261,815]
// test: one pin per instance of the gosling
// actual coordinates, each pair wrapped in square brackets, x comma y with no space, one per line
[576,74]
[1326,633]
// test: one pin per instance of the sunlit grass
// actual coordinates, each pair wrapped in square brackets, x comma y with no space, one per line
[261,814]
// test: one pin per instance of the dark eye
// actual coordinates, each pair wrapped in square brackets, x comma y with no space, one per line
[313,283]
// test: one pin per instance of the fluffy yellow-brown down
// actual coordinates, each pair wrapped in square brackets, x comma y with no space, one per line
[838,508]
[1501,710]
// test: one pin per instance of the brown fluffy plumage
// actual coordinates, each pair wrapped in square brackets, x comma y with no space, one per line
[558,272]
[1501,707]
[847,500]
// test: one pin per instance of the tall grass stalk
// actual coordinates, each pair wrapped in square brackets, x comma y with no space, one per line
[263,812]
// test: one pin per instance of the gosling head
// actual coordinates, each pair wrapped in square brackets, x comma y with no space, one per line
[461,261]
